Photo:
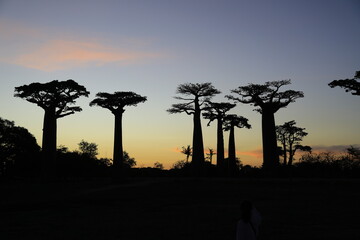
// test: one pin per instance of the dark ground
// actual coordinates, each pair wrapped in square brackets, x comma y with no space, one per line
[168,208]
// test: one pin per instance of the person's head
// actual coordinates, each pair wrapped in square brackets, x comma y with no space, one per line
[246,208]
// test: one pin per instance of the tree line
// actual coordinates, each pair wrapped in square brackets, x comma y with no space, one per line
[58,98]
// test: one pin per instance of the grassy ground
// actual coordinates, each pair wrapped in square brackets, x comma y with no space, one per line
[179,209]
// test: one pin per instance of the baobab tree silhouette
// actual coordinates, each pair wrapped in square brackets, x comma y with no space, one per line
[54,97]
[196,96]
[290,137]
[217,111]
[116,103]
[350,85]
[230,122]
[268,100]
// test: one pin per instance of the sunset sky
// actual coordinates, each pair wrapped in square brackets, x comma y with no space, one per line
[151,46]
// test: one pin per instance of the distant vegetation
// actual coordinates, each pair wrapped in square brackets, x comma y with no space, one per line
[21,156]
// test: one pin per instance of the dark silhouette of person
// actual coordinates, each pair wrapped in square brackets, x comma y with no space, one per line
[248,226]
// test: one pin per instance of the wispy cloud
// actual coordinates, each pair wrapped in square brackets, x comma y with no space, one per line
[256,153]
[62,54]
[176,149]
[332,148]
[38,49]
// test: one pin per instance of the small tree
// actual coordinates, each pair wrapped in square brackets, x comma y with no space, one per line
[88,149]
[230,122]
[196,95]
[210,155]
[350,85]
[181,164]
[129,162]
[19,150]
[268,100]
[54,97]
[217,111]
[158,165]
[290,137]
[116,103]
[187,151]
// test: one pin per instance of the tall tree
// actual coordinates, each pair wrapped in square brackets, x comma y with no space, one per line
[268,100]
[217,111]
[196,96]
[290,137]
[351,85]
[230,122]
[54,97]
[116,103]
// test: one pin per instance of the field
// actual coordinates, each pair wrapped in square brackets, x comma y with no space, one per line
[179,208]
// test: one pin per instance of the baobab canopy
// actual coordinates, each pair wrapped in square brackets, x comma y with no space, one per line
[268,100]
[55,94]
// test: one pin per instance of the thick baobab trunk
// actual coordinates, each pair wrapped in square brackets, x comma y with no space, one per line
[118,156]
[285,154]
[232,151]
[270,153]
[220,145]
[198,158]
[49,143]
[291,155]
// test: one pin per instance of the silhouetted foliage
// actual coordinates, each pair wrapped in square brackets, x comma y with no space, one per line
[158,165]
[354,153]
[116,103]
[210,155]
[187,151]
[351,85]
[327,164]
[89,149]
[268,100]
[75,164]
[196,95]
[84,163]
[19,152]
[129,162]
[290,137]
[54,97]
[217,111]
[181,164]
[106,161]
[230,122]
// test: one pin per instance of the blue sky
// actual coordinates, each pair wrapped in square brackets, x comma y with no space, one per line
[150,47]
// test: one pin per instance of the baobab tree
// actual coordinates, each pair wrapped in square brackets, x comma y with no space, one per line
[290,137]
[350,85]
[54,97]
[268,100]
[116,103]
[196,96]
[217,111]
[230,122]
